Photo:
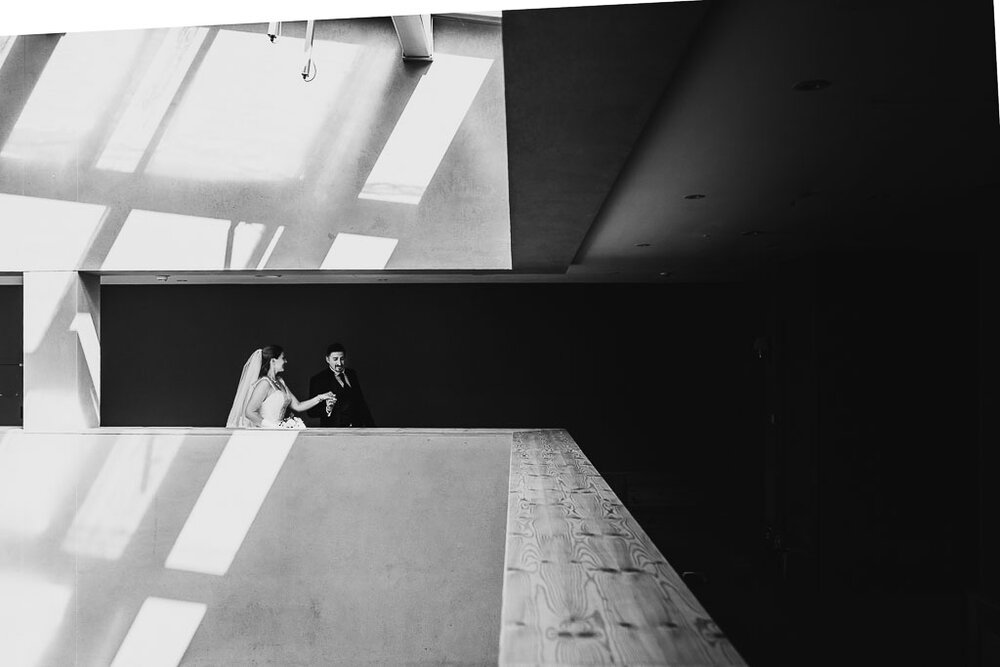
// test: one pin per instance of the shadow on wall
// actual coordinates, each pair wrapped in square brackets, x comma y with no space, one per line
[202,149]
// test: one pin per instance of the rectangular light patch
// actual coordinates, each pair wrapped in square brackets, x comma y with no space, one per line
[31,611]
[246,237]
[271,245]
[355,251]
[425,129]
[37,481]
[46,234]
[160,634]
[247,115]
[228,505]
[150,102]
[76,89]
[155,241]
[6,46]
[120,496]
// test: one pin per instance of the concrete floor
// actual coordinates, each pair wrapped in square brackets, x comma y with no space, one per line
[252,548]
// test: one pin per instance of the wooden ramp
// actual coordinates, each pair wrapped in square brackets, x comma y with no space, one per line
[584,585]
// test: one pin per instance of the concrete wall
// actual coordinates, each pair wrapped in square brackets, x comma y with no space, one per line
[383,548]
[62,351]
[245,165]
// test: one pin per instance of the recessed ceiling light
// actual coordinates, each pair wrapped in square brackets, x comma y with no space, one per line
[642,245]
[811,85]
[694,196]
[666,274]
[162,279]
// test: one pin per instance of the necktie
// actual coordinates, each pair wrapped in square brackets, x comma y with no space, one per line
[340,379]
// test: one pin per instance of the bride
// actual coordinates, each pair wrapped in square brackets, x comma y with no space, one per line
[262,396]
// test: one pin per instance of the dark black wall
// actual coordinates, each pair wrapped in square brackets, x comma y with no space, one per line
[986,606]
[873,485]
[660,373]
[898,385]
[11,327]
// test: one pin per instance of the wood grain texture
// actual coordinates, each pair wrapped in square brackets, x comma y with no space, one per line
[584,585]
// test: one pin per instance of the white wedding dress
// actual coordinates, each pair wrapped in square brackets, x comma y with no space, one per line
[274,406]
[272,410]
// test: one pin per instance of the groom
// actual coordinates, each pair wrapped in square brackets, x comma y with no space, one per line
[348,407]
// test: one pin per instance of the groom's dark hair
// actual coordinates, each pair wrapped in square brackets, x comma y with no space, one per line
[335,347]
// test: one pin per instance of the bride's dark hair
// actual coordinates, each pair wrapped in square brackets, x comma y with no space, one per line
[267,353]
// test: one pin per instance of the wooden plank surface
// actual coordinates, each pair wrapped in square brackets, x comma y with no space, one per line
[584,585]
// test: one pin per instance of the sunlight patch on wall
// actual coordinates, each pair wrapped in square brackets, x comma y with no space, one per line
[426,128]
[246,237]
[31,611]
[36,479]
[119,497]
[355,251]
[145,111]
[62,388]
[151,240]
[45,234]
[270,246]
[230,501]
[6,45]
[45,291]
[79,84]
[357,124]
[86,332]
[161,633]
[248,114]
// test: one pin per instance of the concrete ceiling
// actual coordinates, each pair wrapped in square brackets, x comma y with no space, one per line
[616,114]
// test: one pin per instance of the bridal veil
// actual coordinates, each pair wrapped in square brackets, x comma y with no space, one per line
[251,373]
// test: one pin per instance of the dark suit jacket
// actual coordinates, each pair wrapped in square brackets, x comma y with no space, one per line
[351,409]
